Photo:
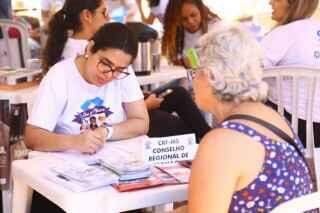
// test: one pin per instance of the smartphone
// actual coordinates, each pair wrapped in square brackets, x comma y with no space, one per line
[193,59]
[165,93]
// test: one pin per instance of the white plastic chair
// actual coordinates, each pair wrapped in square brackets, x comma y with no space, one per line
[17,50]
[302,85]
[300,204]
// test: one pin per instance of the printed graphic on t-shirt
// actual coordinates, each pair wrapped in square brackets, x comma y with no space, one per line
[316,53]
[94,114]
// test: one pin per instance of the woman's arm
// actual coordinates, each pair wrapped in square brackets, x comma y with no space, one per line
[90,141]
[132,10]
[215,173]
[137,122]
[153,102]
[147,20]
[43,140]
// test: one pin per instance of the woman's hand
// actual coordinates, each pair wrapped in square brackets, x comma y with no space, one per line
[90,141]
[186,63]
[153,102]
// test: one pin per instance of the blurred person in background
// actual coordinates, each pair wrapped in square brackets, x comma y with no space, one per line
[184,23]
[295,41]
[5,9]
[157,10]
[34,36]
[71,28]
[123,10]
[48,9]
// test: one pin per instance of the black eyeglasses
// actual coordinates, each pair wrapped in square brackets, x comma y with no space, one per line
[105,66]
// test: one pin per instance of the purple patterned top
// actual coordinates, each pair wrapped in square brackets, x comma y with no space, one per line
[284,175]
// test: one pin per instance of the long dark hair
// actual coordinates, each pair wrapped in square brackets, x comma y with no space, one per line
[299,9]
[66,19]
[115,36]
[173,37]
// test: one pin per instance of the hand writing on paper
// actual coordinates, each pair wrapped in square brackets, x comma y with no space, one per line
[152,102]
[90,141]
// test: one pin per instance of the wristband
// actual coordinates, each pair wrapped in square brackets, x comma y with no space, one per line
[110,132]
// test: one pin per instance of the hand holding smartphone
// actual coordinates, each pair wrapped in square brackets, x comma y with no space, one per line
[164,93]
[193,61]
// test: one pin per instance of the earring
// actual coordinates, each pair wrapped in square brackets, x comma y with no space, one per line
[86,56]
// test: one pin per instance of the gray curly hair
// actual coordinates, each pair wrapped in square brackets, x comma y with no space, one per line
[233,58]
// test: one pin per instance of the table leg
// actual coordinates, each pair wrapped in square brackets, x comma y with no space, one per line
[21,197]
[6,201]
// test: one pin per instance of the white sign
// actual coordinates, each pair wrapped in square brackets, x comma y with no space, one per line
[167,150]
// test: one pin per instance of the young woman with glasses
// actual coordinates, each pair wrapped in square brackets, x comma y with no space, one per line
[95,87]
[190,119]
[71,28]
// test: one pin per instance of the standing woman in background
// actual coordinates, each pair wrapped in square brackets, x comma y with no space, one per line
[157,10]
[123,10]
[184,23]
[295,41]
[79,20]
[48,9]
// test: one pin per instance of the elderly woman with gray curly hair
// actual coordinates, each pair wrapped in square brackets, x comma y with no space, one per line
[253,161]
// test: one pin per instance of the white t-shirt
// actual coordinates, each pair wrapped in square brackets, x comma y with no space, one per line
[116,4]
[297,43]
[160,10]
[67,104]
[191,39]
[51,5]
[119,9]
[74,47]
[294,44]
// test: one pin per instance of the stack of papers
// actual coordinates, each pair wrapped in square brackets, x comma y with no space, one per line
[177,171]
[78,172]
[80,177]
[127,170]
[149,182]
[161,175]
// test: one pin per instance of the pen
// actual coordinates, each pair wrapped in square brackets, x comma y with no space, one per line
[63,177]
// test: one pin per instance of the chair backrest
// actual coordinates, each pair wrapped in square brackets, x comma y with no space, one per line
[293,88]
[296,89]
[300,204]
[15,40]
